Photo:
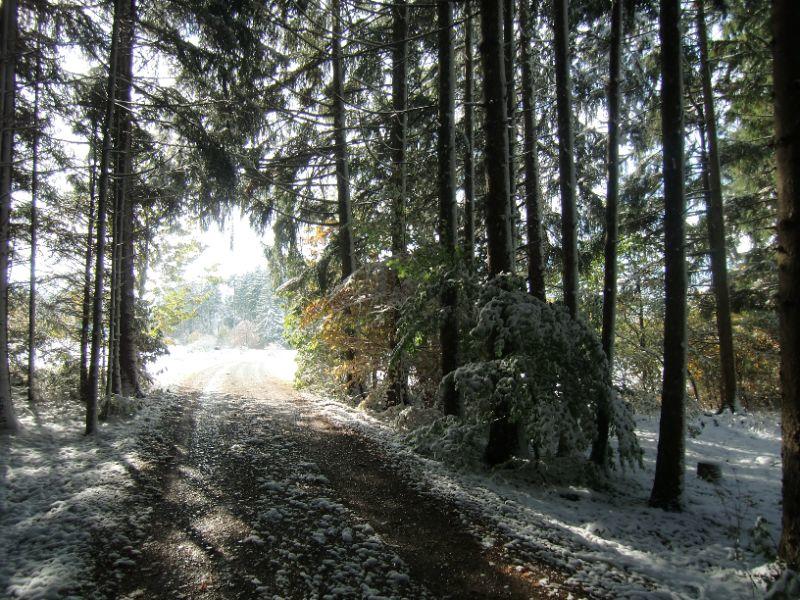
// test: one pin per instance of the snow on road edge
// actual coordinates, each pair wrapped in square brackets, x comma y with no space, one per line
[721,546]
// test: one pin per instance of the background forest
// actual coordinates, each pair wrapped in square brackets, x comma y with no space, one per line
[505,266]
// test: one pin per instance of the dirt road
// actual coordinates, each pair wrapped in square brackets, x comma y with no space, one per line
[251,493]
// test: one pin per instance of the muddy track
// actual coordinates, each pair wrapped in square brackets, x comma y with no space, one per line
[251,494]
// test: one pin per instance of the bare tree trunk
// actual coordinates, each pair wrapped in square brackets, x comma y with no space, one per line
[397,389]
[716,228]
[346,248]
[113,383]
[448,217]
[93,387]
[346,251]
[668,484]
[469,141]
[86,311]
[600,447]
[566,157]
[786,74]
[127,346]
[8,419]
[34,224]
[498,218]
[509,61]
[504,435]
[533,205]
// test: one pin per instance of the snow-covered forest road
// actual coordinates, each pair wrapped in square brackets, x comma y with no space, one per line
[253,493]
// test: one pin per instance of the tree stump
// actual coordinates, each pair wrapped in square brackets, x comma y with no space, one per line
[709,471]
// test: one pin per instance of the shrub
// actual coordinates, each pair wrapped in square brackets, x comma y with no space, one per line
[549,368]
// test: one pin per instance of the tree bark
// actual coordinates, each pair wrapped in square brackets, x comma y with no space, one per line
[34,224]
[498,225]
[533,205]
[469,140]
[509,63]
[566,157]
[397,389]
[504,435]
[345,209]
[600,447]
[716,228]
[86,309]
[786,74]
[128,330]
[8,419]
[93,386]
[448,216]
[668,484]
[346,250]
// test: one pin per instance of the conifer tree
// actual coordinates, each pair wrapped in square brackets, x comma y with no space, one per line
[566,156]
[8,75]
[448,220]
[600,447]
[786,74]
[716,225]
[504,434]
[667,489]
[533,210]
[93,384]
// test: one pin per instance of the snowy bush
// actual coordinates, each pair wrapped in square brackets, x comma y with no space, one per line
[549,368]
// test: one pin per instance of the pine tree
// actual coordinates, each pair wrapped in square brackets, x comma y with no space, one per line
[448,220]
[668,483]
[34,218]
[469,139]
[93,384]
[566,156]
[600,447]
[504,434]
[533,208]
[126,315]
[8,419]
[716,225]
[786,74]
[397,390]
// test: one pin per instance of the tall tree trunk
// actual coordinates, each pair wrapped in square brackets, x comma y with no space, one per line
[397,389]
[533,206]
[509,64]
[34,225]
[128,330]
[448,216]
[504,435]
[566,156]
[346,250]
[469,140]
[8,419]
[93,386]
[786,74]
[716,228]
[345,210]
[113,385]
[600,447]
[86,309]
[668,484]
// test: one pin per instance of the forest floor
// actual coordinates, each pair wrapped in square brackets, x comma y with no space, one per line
[255,494]
[228,483]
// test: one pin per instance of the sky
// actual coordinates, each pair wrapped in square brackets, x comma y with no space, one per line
[234,249]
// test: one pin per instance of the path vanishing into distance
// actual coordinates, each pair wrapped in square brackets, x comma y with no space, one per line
[251,492]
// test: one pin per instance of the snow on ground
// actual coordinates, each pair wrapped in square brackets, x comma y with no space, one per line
[172,369]
[720,547]
[58,489]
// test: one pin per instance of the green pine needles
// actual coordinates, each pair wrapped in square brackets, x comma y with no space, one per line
[551,371]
